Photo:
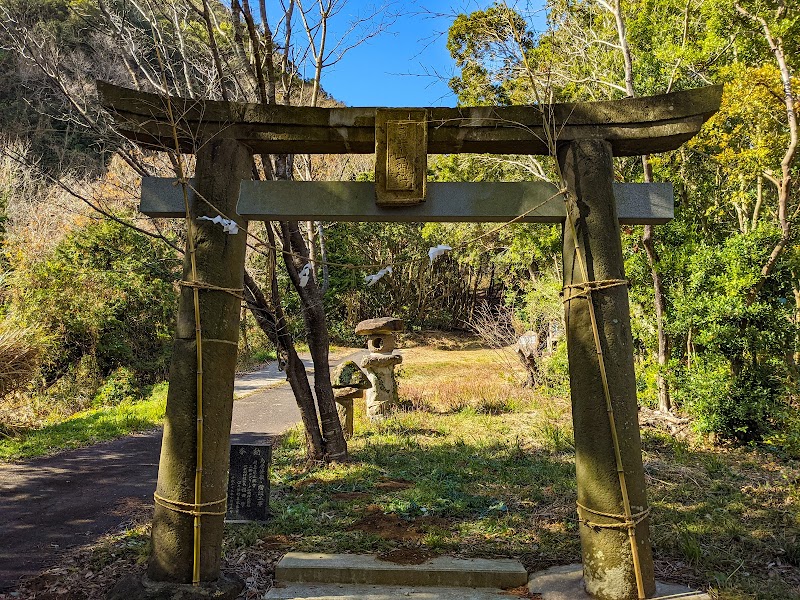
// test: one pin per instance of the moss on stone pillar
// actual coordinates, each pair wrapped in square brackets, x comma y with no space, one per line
[608,563]
[221,165]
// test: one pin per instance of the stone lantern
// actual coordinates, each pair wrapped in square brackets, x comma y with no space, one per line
[349,383]
[379,364]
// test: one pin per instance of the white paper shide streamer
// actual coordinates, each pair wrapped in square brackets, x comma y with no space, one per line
[437,251]
[228,226]
[371,280]
[305,275]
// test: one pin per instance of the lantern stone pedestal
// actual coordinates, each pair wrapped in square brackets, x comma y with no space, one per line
[349,383]
[379,365]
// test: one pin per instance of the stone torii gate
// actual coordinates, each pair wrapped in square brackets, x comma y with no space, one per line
[612,503]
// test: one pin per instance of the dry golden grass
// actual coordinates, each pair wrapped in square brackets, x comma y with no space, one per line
[19,358]
[451,380]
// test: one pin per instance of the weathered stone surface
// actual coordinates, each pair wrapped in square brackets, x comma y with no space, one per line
[596,254]
[383,343]
[339,591]
[248,483]
[373,361]
[566,583]
[368,569]
[380,325]
[346,412]
[139,587]
[632,126]
[449,202]
[348,375]
[221,165]
[348,392]
[401,156]
[382,396]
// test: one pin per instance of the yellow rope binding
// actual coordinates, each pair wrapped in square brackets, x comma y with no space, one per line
[191,508]
[194,283]
[590,286]
[624,523]
[202,285]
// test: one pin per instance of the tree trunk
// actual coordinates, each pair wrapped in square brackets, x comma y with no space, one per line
[323,256]
[221,165]
[274,326]
[318,344]
[610,475]
[332,442]
[664,400]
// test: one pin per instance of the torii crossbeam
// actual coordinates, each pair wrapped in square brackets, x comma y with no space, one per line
[614,523]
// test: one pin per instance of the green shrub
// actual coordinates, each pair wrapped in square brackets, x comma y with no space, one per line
[119,387]
[555,371]
[646,381]
[20,351]
[106,292]
[343,334]
[745,407]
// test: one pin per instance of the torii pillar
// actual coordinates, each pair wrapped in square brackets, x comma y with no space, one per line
[617,560]
[612,501]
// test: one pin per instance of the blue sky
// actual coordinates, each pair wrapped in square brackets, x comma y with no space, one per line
[407,65]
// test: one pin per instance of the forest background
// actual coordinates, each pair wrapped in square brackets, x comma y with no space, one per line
[88,286]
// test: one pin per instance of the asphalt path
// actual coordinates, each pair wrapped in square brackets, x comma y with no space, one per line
[51,504]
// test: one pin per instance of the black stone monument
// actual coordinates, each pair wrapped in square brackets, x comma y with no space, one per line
[248,483]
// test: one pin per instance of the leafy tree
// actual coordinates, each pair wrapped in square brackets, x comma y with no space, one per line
[734,182]
[487,46]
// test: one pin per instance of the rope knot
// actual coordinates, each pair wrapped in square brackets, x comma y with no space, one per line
[202,285]
[586,288]
[628,522]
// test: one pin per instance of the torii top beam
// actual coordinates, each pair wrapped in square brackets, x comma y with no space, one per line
[632,126]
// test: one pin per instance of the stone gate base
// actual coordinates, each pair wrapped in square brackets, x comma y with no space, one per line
[566,583]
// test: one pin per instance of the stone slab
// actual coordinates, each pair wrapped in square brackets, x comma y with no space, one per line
[566,583]
[637,203]
[366,569]
[332,591]
[633,126]
[401,155]
[348,376]
[248,482]
[540,202]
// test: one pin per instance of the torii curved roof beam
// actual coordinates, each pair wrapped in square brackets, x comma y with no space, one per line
[633,126]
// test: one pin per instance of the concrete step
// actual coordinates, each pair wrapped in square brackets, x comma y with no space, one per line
[340,591]
[366,569]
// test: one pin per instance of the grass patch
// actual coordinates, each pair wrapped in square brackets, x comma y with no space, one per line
[451,483]
[448,381]
[87,427]
[448,478]
[502,484]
